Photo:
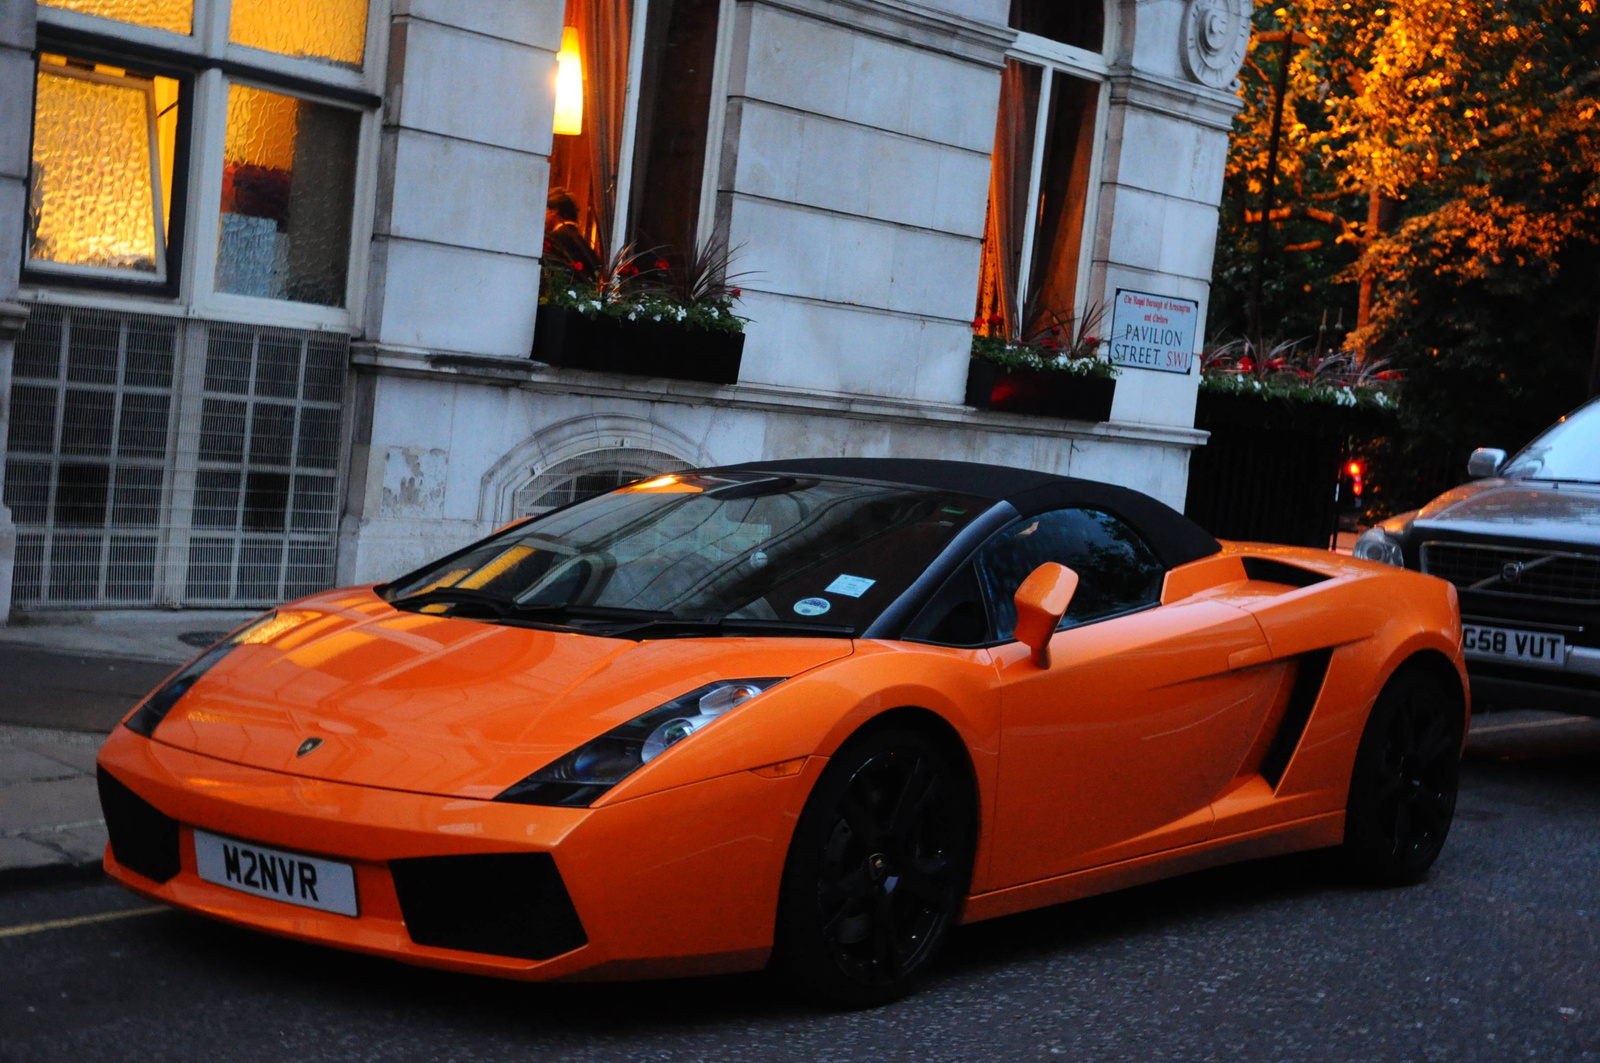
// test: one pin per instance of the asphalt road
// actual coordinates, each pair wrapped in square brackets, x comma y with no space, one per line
[71,691]
[1495,957]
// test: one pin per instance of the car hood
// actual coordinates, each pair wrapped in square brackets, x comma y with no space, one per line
[436,705]
[1522,509]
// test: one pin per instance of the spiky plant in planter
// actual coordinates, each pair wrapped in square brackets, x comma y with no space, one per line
[647,313]
[1054,369]
[1055,343]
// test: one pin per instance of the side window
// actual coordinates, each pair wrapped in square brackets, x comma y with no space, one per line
[955,616]
[1117,571]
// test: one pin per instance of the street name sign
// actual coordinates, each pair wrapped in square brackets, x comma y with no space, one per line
[1153,331]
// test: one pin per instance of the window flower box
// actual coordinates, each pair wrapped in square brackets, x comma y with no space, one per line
[1042,392]
[570,339]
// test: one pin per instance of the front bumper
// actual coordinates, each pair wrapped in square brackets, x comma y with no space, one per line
[683,881]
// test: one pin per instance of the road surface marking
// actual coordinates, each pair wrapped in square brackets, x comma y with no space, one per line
[79,920]
[1525,726]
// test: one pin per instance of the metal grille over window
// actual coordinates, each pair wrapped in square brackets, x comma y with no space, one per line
[266,490]
[87,455]
[117,503]
[588,475]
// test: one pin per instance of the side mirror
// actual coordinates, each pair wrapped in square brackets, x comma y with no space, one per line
[1485,462]
[1042,601]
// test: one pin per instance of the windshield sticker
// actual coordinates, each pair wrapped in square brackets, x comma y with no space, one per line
[853,586]
[812,606]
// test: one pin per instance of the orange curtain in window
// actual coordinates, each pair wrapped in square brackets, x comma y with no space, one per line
[585,165]
[1008,200]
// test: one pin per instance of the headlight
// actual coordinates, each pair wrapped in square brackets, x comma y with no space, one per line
[581,776]
[158,704]
[1376,545]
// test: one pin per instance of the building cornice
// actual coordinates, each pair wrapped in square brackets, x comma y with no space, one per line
[527,375]
[1188,100]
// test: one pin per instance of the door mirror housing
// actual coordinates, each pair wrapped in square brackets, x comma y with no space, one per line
[1485,462]
[1042,601]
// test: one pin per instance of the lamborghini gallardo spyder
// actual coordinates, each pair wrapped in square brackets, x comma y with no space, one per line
[808,714]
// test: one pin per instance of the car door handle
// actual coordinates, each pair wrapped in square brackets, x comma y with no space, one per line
[1249,657]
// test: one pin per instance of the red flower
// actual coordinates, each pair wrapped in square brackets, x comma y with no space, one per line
[995,319]
[576,265]
[662,263]
[1246,364]
[1092,340]
[629,270]
[737,293]
[1390,374]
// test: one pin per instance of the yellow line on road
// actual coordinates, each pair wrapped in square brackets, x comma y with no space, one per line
[1525,726]
[79,920]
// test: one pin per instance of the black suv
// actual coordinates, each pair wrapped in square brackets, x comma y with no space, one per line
[1521,543]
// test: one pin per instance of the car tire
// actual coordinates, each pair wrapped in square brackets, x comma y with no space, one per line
[879,865]
[1404,783]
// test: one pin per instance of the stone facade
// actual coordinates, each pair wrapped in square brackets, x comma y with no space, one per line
[852,173]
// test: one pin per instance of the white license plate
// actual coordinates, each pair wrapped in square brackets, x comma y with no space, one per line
[1539,648]
[294,878]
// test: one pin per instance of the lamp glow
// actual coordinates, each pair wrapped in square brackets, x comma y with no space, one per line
[569,85]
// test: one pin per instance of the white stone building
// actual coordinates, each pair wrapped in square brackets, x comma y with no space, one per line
[279,260]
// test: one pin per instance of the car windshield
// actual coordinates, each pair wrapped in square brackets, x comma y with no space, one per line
[690,553]
[1568,450]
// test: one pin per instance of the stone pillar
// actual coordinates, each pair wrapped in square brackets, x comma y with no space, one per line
[854,179]
[16,122]
[1172,107]
[463,175]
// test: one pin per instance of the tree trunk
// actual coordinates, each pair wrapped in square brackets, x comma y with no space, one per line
[1269,193]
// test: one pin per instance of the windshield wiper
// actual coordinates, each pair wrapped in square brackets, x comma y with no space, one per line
[495,603]
[502,608]
[726,625]
[544,610]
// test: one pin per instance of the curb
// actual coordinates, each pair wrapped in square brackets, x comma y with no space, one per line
[15,878]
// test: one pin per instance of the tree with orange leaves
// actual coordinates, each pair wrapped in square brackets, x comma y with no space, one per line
[1438,191]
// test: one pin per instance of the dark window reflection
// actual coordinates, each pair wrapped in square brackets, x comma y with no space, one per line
[1081,23]
[1116,570]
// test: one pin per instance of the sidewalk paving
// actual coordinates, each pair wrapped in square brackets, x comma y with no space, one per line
[50,818]
[68,680]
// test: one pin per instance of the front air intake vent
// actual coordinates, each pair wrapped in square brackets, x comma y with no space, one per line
[504,904]
[143,838]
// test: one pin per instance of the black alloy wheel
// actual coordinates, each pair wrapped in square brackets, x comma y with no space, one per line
[1407,773]
[879,865]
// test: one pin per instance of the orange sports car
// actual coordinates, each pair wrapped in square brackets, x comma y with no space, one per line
[806,713]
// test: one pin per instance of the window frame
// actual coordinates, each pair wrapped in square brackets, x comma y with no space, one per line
[167,283]
[205,63]
[976,560]
[716,124]
[1053,58]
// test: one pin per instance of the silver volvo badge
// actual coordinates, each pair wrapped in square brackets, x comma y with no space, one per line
[1511,571]
[307,746]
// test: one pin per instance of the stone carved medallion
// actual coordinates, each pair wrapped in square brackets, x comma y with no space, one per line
[1215,36]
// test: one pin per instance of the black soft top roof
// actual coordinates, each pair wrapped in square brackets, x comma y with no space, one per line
[1176,539]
